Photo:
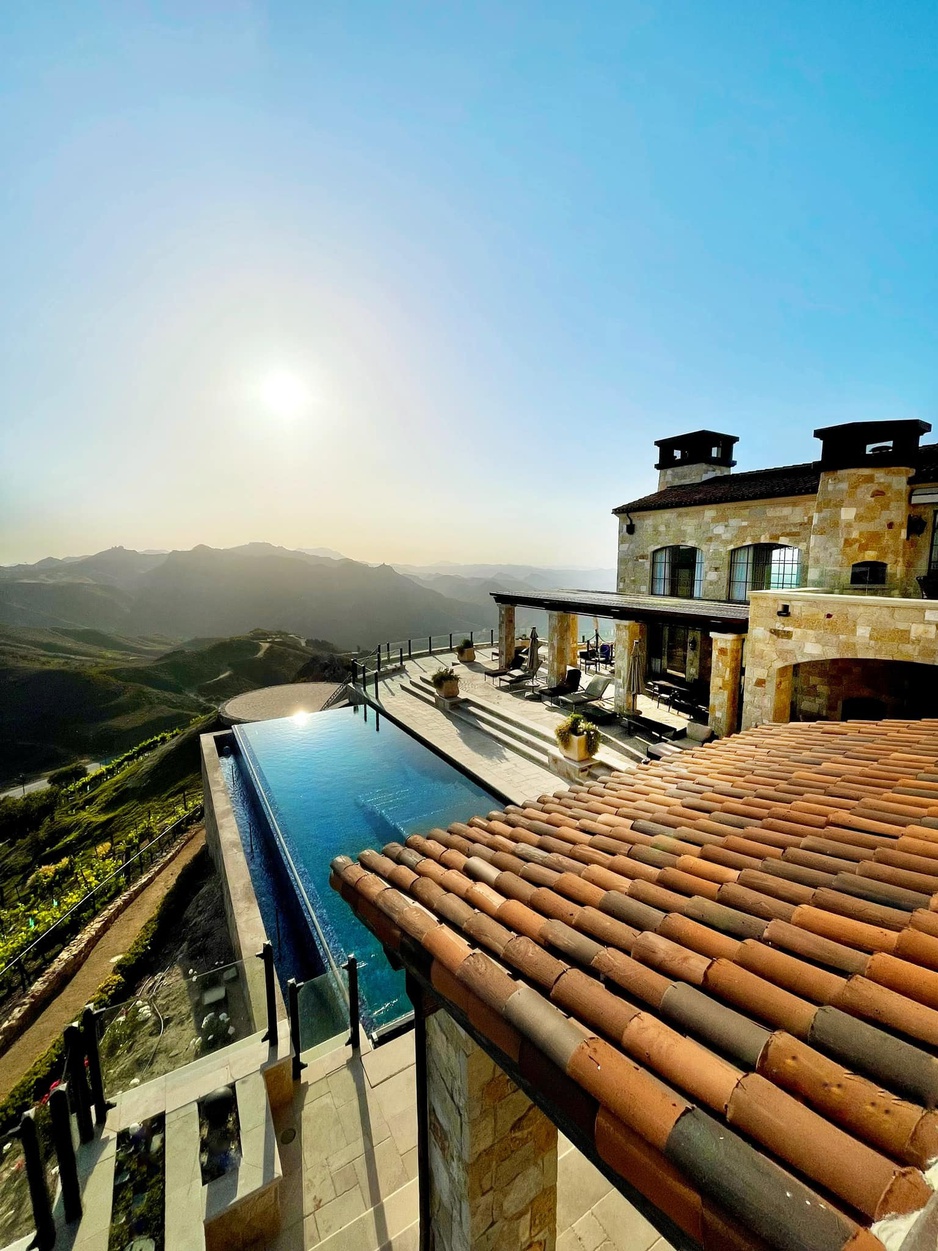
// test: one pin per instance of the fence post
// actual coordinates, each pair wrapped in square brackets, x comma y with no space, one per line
[267,955]
[472,640]
[491,638]
[77,1084]
[430,645]
[401,659]
[451,642]
[89,1029]
[408,650]
[351,967]
[38,1190]
[293,999]
[65,1153]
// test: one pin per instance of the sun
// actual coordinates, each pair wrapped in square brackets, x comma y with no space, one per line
[283,394]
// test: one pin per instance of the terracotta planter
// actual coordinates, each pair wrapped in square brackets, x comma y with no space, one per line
[466,655]
[575,748]
[450,689]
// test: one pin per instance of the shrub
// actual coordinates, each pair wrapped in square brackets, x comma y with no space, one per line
[465,645]
[68,775]
[442,676]
[577,724]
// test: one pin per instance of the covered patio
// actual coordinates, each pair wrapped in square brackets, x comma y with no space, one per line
[692,649]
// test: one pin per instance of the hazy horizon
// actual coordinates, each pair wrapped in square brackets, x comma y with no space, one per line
[420,283]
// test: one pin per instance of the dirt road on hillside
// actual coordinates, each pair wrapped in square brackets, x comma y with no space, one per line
[68,1004]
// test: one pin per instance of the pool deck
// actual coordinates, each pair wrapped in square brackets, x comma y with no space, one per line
[494,762]
[349,1174]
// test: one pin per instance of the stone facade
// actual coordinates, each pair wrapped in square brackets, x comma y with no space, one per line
[726,667]
[826,627]
[506,633]
[861,515]
[628,633]
[493,1154]
[716,530]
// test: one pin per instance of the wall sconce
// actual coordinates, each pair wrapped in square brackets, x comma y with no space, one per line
[784,611]
[630,524]
[692,644]
[915,526]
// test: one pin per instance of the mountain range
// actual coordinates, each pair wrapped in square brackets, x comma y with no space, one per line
[220,592]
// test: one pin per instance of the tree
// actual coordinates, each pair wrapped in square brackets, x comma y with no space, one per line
[65,777]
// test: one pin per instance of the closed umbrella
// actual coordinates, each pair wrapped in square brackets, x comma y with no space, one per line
[534,660]
[635,673]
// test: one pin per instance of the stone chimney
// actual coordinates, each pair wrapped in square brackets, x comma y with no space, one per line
[859,536]
[694,457]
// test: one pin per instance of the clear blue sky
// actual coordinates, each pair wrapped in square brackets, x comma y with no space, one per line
[425,281]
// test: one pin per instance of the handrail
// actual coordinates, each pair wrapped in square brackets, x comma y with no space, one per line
[395,653]
[176,826]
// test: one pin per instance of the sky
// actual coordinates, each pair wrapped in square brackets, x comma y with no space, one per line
[425,281]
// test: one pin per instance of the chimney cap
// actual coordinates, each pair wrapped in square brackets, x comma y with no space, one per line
[698,447]
[855,444]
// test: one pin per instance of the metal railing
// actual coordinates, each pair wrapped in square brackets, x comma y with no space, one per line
[65,926]
[390,657]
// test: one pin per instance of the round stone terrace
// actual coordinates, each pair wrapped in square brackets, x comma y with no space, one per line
[276,701]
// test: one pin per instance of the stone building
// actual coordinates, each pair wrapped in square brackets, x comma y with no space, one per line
[833,556]
[794,593]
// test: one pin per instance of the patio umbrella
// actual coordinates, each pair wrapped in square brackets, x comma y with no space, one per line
[534,660]
[635,672]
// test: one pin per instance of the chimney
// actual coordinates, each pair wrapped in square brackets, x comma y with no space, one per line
[694,457]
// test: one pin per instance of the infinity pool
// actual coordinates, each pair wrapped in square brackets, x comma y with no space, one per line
[330,784]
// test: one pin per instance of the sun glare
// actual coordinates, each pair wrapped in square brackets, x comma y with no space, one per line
[284,395]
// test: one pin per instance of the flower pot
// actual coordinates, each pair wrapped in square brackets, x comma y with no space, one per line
[465,654]
[575,748]
[450,688]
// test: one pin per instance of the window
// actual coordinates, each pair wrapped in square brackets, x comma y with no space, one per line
[868,573]
[677,571]
[933,552]
[763,567]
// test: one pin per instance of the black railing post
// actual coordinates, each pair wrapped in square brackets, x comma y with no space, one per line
[354,1016]
[77,1082]
[65,1153]
[408,650]
[451,642]
[89,1029]
[430,645]
[472,641]
[38,1190]
[401,650]
[266,954]
[293,1004]
[491,638]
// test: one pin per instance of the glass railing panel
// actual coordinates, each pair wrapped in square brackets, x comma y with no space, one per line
[323,1009]
[16,1213]
[183,1016]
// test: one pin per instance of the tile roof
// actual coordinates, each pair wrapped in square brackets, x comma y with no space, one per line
[729,488]
[726,963]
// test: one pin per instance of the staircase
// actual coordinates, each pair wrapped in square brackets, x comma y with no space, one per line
[527,739]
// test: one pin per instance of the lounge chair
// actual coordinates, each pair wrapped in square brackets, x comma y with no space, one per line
[566,687]
[594,690]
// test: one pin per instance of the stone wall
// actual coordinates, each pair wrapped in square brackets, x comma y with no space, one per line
[493,1154]
[827,627]
[820,689]
[716,530]
[860,515]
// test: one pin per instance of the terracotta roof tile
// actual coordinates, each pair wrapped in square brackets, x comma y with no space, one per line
[753,930]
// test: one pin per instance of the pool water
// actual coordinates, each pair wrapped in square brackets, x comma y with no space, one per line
[330,784]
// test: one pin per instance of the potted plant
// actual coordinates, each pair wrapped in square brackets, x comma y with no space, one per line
[446,683]
[465,652]
[578,738]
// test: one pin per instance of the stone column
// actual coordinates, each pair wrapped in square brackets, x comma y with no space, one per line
[574,652]
[628,633]
[558,645]
[506,633]
[778,687]
[493,1154]
[725,673]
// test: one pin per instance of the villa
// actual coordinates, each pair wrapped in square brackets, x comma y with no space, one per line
[496,999]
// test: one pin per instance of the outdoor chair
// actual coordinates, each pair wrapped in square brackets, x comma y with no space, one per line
[566,687]
[594,690]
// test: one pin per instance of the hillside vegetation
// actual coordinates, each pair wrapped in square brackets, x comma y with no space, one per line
[77,693]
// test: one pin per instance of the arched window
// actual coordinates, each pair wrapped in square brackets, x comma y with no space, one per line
[763,567]
[868,573]
[677,571]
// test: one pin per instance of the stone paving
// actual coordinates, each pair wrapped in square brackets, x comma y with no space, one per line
[350,1170]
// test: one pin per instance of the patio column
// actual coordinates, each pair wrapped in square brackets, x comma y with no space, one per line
[725,673]
[506,633]
[628,633]
[574,656]
[493,1154]
[558,645]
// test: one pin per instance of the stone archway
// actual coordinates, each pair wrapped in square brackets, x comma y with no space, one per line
[850,688]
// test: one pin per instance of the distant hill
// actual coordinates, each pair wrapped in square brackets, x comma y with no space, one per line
[72,694]
[230,591]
